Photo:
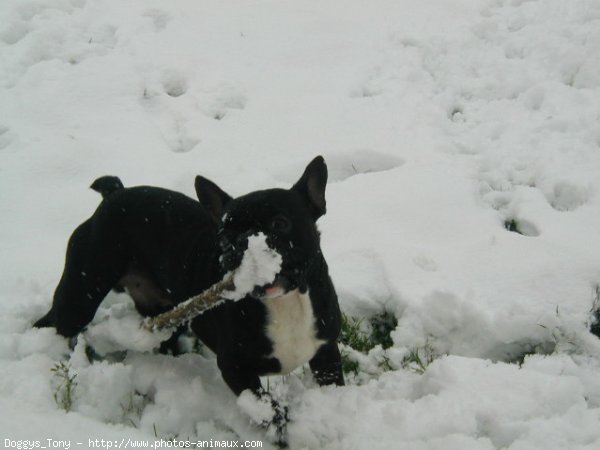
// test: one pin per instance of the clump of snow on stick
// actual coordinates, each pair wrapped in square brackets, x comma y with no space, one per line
[260,264]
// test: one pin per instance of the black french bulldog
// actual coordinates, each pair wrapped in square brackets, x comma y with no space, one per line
[163,248]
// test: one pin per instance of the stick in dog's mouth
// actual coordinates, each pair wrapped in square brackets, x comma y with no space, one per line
[256,276]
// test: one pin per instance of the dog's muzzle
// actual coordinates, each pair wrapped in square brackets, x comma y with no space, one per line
[293,267]
[232,250]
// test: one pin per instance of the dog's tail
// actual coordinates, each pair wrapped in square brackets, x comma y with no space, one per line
[107,185]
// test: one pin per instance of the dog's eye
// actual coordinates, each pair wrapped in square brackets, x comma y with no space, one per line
[280,224]
[223,243]
[223,240]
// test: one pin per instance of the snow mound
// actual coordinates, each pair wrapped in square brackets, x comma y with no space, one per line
[119,327]
[354,162]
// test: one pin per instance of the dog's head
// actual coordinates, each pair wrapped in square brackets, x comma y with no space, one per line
[286,216]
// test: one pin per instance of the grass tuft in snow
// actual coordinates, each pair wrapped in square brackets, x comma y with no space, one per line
[349,364]
[364,338]
[65,391]
[512,225]
[358,336]
[353,336]
[132,410]
[525,349]
[418,359]
[382,326]
[521,227]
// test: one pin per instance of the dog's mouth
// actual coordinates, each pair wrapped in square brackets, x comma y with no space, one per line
[268,292]
[280,286]
[293,266]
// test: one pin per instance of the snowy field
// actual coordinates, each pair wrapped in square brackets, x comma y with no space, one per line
[463,144]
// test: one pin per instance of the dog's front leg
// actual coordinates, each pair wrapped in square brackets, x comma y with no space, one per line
[240,379]
[326,365]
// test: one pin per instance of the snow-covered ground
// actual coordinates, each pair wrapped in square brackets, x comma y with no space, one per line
[442,123]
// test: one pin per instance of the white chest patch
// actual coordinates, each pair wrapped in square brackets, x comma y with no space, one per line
[291,328]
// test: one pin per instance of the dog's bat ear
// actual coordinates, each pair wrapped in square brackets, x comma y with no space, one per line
[312,186]
[211,197]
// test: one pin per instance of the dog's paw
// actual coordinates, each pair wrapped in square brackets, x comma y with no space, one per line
[267,413]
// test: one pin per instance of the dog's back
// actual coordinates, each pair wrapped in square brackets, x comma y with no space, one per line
[157,244]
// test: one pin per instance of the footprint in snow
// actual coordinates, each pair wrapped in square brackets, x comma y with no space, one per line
[174,83]
[171,109]
[159,18]
[366,90]
[224,104]
[425,263]
[173,124]
[566,196]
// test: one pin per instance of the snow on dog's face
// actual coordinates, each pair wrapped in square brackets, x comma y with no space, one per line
[260,265]
[286,217]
